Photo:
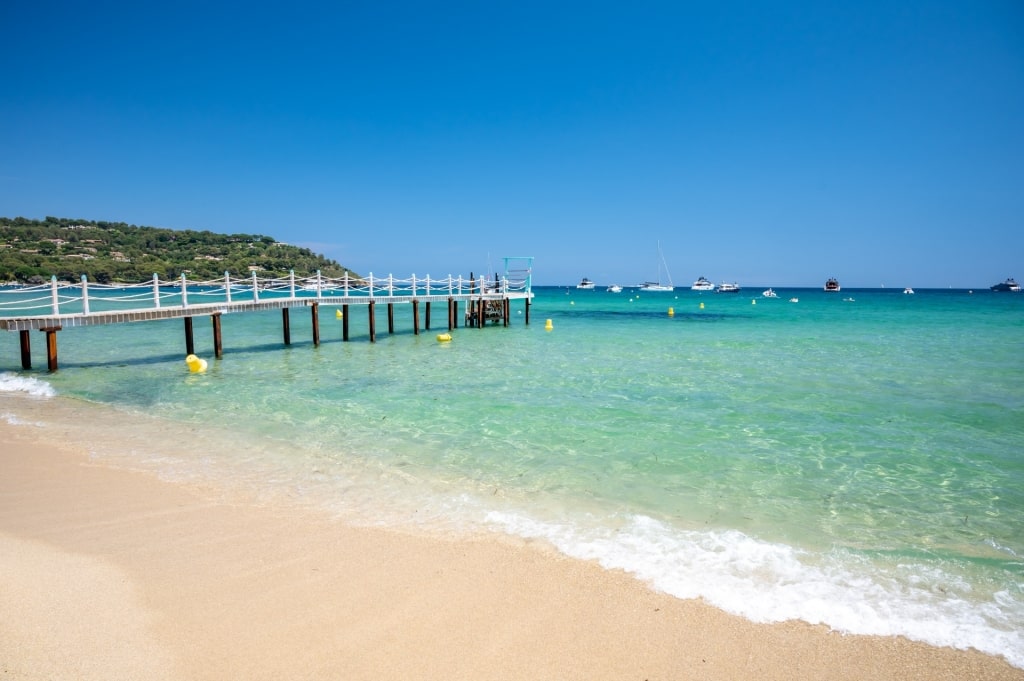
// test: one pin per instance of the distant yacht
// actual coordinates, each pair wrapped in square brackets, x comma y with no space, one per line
[614,288]
[702,284]
[1008,285]
[769,293]
[657,285]
[586,284]
[908,290]
[727,288]
[832,285]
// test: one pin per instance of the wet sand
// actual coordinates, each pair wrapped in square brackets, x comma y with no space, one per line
[115,574]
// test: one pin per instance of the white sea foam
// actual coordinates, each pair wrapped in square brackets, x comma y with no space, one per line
[12,383]
[767,582]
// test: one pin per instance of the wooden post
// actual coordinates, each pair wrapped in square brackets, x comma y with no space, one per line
[527,314]
[373,324]
[51,347]
[451,313]
[218,342]
[26,350]
[391,317]
[481,316]
[316,323]
[427,325]
[286,326]
[190,342]
[344,318]
[415,317]
[506,309]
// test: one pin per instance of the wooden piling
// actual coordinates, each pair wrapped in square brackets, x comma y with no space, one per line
[286,326]
[391,318]
[218,341]
[51,347]
[527,312]
[344,322]
[427,325]
[506,310]
[26,349]
[373,322]
[190,342]
[316,323]
[415,317]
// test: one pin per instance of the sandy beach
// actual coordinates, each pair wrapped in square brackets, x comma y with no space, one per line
[114,574]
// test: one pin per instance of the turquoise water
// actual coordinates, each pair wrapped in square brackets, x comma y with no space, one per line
[853,458]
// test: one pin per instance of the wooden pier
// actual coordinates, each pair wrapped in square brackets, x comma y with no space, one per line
[85,304]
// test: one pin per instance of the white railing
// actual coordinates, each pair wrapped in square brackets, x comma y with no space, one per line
[85,297]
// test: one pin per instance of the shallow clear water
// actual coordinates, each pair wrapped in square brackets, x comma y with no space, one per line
[852,458]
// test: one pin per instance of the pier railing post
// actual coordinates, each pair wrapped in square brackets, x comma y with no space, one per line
[227,285]
[413,285]
[369,283]
[54,296]
[255,288]
[156,290]
[344,283]
[391,285]
[291,282]
[85,294]
[184,291]
[319,285]
[427,284]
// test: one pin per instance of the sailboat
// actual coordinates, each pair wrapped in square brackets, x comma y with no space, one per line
[657,285]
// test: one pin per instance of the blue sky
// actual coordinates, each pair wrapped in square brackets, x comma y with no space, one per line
[768,143]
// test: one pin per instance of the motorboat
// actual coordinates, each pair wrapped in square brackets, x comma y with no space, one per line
[769,293]
[1008,285]
[832,285]
[657,285]
[614,288]
[702,284]
[727,288]
[908,291]
[586,284]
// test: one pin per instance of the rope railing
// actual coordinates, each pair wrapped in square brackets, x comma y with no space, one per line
[85,297]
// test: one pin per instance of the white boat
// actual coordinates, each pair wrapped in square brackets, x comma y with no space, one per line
[657,285]
[702,284]
[908,290]
[586,284]
[727,288]
[769,293]
[614,288]
[794,300]
[832,285]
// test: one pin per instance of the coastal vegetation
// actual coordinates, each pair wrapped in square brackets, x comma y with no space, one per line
[33,251]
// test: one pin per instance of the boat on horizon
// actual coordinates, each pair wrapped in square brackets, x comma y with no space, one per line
[727,288]
[586,284]
[614,288]
[702,284]
[1009,285]
[832,285]
[657,285]
[769,293]
[908,290]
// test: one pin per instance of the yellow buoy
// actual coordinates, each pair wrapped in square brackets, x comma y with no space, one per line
[337,313]
[671,312]
[548,326]
[195,365]
[753,302]
[443,337]
[702,306]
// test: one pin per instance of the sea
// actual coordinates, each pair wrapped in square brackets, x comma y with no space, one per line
[854,459]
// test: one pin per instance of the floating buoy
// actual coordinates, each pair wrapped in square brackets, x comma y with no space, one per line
[702,306]
[195,365]
[337,313]
[753,302]
[572,302]
[548,326]
[443,337]
[671,312]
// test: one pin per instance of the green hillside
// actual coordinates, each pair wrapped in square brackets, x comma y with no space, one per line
[35,250]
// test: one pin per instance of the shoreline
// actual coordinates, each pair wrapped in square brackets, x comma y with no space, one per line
[111,573]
